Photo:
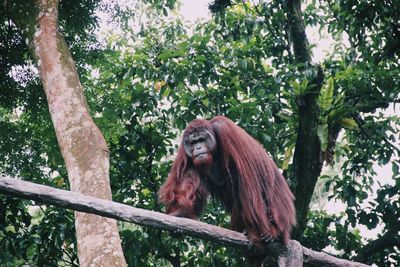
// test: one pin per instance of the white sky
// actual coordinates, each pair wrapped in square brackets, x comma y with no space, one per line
[195,9]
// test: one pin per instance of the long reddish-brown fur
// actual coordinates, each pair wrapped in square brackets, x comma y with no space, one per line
[254,191]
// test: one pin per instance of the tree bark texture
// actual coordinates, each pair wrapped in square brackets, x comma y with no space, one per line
[308,157]
[294,256]
[82,145]
[298,31]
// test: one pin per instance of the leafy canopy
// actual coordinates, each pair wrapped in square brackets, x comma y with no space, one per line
[145,83]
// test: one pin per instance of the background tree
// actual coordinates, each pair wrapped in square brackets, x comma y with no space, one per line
[254,64]
[83,147]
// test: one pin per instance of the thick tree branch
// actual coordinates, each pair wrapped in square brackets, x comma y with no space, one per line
[297,31]
[307,158]
[76,201]
[390,239]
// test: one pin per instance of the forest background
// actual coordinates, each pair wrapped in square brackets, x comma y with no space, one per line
[326,113]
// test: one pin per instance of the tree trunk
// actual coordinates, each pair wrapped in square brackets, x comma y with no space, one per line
[83,147]
[307,158]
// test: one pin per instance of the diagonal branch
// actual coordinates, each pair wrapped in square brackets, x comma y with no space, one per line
[390,239]
[107,208]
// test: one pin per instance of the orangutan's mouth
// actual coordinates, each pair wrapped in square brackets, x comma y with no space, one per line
[201,155]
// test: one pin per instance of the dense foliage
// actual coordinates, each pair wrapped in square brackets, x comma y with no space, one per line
[146,82]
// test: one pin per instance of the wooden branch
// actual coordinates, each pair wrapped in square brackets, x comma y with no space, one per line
[106,208]
[390,239]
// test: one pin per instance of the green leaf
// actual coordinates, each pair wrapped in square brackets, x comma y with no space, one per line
[266,138]
[326,95]
[243,64]
[146,192]
[288,156]
[296,88]
[348,123]
[193,79]
[322,132]
[395,169]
